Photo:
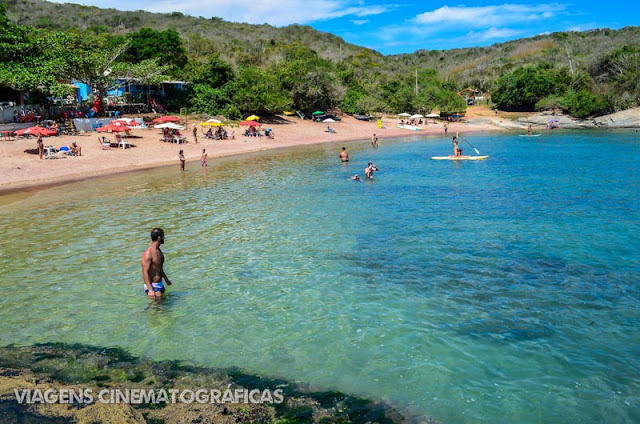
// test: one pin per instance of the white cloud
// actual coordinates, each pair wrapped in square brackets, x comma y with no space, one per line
[273,12]
[488,16]
[359,21]
[490,34]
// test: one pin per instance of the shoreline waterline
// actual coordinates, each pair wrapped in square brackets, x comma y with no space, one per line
[151,155]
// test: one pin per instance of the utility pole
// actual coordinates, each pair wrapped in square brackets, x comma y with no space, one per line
[569,56]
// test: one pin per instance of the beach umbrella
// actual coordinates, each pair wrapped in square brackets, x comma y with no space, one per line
[114,128]
[164,119]
[416,116]
[404,114]
[215,121]
[250,123]
[211,124]
[329,120]
[432,115]
[169,125]
[318,112]
[253,118]
[45,132]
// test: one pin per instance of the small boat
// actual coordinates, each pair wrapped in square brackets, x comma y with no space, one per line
[410,127]
[459,157]
[288,113]
[362,117]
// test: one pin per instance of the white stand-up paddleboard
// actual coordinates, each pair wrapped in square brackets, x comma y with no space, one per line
[459,157]
[529,135]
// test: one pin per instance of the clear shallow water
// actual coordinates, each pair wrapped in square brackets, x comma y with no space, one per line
[505,290]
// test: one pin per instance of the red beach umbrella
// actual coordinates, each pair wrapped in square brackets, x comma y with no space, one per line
[164,119]
[250,123]
[45,132]
[114,128]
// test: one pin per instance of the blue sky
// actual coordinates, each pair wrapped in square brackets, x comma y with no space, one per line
[394,27]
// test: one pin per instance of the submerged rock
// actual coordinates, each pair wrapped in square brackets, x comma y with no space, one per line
[96,377]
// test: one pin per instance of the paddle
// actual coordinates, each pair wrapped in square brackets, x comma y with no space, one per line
[477,152]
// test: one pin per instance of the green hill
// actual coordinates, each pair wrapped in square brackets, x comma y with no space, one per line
[599,62]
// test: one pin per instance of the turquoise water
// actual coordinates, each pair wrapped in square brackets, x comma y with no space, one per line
[505,290]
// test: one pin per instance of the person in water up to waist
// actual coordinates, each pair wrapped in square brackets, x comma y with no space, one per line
[152,266]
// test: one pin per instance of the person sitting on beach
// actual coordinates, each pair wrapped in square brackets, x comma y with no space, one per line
[209,133]
[356,177]
[152,266]
[55,127]
[344,155]
[269,133]
[75,149]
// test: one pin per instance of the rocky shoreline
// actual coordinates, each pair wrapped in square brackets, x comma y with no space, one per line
[625,119]
[101,373]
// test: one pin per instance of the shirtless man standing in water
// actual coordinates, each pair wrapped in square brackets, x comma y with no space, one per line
[344,156]
[152,271]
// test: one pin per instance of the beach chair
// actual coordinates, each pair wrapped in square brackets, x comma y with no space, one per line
[105,143]
[300,114]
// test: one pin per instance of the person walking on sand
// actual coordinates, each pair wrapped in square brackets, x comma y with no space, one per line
[344,155]
[195,133]
[374,141]
[152,266]
[182,160]
[203,159]
[40,146]
[446,128]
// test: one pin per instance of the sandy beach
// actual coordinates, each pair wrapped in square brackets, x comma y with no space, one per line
[20,170]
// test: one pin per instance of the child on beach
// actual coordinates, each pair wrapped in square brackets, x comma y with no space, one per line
[203,159]
[182,160]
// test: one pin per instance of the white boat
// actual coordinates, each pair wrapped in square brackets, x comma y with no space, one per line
[410,127]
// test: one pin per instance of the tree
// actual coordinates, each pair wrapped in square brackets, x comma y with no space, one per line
[315,90]
[256,91]
[147,43]
[524,87]
[212,88]
[31,59]
[582,104]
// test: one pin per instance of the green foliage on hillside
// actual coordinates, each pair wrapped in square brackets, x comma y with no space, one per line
[239,68]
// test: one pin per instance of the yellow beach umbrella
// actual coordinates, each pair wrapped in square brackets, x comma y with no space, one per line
[211,124]
[253,118]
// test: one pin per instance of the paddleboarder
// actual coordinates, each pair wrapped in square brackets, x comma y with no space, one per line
[456,151]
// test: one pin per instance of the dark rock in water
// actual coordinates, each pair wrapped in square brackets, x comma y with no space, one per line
[12,412]
[77,368]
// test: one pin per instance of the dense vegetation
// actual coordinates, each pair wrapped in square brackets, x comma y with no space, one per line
[239,68]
